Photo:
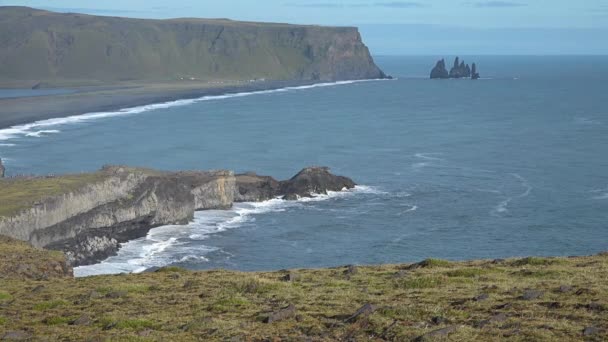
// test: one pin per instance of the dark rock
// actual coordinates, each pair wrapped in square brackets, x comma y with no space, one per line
[291,277]
[351,270]
[481,297]
[459,70]
[595,306]
[590,331]
[565,288]
[152,269]
[253,188]
[474,73]
[37,86]
[2,169]
[503,306]
[364,311]
[281,315]
[401,274]
[435,334]
[439,71]
[38,288]
[189,284]
[497,261]
[313,180]
[16,336]
[501,317]
[82,320]
[532,294]
[438,320]
[116,294]
[552,305]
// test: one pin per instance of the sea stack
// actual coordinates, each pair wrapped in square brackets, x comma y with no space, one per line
[2,169]
[459,70]
[439,71]
[474,73]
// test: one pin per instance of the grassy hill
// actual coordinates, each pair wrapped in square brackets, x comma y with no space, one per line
[530,299]
[42,46]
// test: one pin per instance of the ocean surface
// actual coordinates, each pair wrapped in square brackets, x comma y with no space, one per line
[513,164]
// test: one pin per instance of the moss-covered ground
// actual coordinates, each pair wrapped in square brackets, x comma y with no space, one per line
[531,299]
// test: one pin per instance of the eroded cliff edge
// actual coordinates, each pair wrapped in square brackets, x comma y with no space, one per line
[47,47]
[89,215]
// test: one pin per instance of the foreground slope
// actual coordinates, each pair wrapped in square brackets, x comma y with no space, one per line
[533,299]
[42,46]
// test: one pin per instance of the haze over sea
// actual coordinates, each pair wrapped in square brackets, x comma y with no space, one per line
[513,164]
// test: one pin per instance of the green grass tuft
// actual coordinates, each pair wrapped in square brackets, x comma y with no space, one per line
[49,305]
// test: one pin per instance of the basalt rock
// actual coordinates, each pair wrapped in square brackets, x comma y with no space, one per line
[314,180]
[89,223]
[439,71]
[459,70]
[311,181]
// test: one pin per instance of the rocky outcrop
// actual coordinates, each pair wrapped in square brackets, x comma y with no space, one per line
[2,169]
[123,203]
[439,71]
[314,180]
[47,47]
[251,187]
[474,73]
[459,70]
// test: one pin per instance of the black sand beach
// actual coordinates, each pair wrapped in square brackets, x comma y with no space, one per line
[22,110]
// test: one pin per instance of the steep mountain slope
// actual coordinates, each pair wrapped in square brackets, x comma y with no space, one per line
[49,47]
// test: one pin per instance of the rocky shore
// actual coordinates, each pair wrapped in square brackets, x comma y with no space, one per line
[88,216]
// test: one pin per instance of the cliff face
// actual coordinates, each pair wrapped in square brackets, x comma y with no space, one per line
[44,47]
[89,220]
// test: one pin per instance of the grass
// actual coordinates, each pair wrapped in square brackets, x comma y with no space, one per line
[218,305]
[21,193]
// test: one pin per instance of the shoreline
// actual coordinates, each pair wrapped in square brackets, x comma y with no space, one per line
[85,100]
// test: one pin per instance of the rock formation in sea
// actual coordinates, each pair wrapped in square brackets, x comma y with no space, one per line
[439,71]
[459,70]
[118,204]
[2,169]
[474,73]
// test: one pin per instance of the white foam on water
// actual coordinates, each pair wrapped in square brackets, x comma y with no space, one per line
[429,156]
[503,206]
[34,129]
[7,145]
[170,244]
[39,134]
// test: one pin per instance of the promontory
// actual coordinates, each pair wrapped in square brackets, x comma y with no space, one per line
[111,62]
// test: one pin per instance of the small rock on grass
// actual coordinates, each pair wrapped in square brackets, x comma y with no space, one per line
[82,320]
[281,315]
[501,317]
[481,297]
[590,331]
[435,334]
[16,336]
[532,294]
[364,311]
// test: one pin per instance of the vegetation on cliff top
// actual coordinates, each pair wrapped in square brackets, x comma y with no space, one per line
[59,48]
[17,194]
[540,299]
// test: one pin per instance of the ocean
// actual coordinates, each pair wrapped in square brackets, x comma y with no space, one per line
[514,164]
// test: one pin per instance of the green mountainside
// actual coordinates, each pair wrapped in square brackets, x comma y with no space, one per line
[42,46]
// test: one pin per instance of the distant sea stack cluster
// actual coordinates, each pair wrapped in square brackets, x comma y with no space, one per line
[459,70]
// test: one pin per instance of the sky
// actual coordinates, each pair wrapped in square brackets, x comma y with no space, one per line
[419,27]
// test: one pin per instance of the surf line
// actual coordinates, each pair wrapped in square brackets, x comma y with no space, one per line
[33,129]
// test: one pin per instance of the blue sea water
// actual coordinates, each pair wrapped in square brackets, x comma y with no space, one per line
[513,164]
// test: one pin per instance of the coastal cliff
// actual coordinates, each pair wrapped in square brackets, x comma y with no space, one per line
[88,216]
[49,48]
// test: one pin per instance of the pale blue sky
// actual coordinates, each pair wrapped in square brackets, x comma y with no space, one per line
[400,27]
